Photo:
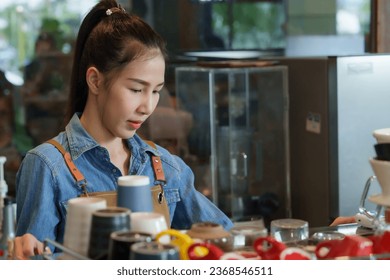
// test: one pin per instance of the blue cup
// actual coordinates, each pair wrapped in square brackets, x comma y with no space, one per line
[134,193]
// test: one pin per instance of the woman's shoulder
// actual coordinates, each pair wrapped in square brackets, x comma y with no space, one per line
[46,152]
[167,158]
[170,159]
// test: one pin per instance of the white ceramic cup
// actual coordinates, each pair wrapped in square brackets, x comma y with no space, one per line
[381,170]
[382,135]
[78,222]
[149,222]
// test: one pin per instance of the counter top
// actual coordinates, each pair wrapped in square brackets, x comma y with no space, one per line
[346,229]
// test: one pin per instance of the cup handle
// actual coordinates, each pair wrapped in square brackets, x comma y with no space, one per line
[268,248]
[295,253]
[182,240]
[323,249]
[177,234]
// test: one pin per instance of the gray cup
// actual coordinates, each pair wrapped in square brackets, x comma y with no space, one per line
[134,193]
[104,222]
[154,251]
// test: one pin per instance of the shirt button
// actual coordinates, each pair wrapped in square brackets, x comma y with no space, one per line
[114,170]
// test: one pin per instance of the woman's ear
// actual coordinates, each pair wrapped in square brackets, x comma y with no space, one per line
[93,78]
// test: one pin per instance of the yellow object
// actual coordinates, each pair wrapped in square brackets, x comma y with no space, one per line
[181,240]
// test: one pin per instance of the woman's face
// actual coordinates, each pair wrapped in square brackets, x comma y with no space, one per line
[132,97]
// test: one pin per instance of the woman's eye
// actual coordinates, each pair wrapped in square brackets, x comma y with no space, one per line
[136,90]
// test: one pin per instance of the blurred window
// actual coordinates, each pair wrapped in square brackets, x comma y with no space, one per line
[353,17]
[250,24]
[21,22]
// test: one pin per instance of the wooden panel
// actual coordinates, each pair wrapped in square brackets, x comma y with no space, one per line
[382,22]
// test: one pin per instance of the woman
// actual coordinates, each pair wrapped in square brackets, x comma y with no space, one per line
[118,71]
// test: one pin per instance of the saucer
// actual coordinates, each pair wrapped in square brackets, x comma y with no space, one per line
[207,230]
[213,233]
[380,199]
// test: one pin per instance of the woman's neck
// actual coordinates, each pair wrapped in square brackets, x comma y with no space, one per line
[117,148]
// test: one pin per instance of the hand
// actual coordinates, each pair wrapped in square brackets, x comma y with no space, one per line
[26,246]
[343,220]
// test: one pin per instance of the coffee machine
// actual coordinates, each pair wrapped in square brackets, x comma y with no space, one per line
[238,143]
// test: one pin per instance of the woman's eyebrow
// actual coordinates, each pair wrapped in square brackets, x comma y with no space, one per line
[142,82]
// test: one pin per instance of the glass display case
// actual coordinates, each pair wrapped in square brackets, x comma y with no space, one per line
[237,142]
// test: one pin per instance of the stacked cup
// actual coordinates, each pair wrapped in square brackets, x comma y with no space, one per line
[104,223]
[134,193]
[78,222]
[114,230]
[381,166]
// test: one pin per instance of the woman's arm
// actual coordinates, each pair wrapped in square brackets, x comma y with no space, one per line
[37,209]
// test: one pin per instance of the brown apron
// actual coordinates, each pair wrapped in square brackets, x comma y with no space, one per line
[159,202]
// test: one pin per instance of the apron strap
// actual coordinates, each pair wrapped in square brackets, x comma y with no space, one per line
[79,177]
[158,171]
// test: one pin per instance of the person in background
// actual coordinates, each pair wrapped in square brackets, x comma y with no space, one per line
[118,72]
[45,88]
[36,78]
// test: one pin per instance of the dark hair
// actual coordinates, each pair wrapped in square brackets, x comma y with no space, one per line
[108,40]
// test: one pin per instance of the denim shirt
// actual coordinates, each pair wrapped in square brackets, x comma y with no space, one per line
[44,183]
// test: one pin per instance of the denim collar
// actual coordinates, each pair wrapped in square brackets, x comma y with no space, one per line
[80,141]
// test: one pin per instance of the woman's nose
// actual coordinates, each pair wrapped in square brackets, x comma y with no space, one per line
[148,104]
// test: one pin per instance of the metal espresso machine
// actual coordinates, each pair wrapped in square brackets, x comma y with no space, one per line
[237,144]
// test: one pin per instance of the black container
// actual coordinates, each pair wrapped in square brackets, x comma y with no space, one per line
[121,241]
[382,151]
[104,222]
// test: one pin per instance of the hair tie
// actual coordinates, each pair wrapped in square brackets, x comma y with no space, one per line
[114,10]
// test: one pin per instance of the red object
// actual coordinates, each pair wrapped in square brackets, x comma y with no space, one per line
[381,243]
[350,246]
[268,248]
[240,255]
[213,252]
[294,253]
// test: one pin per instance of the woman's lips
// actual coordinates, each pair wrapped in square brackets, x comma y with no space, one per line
[134,124]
